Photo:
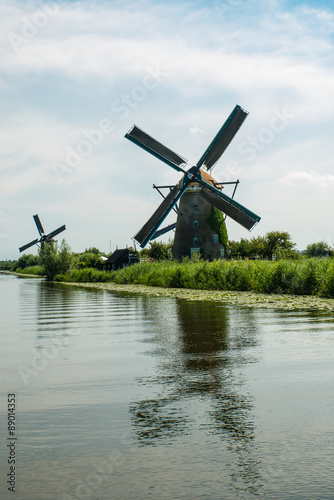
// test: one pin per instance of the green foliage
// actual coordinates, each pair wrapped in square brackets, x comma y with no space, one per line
[94,250]
[316,249]
[216,222]
[298,277]
[36,270]
[65,257]
[54,261]
[308,276]
[49,260]
[7,265]
[90,258]
[89,275]
[275,243]
[158,250]
[26,260]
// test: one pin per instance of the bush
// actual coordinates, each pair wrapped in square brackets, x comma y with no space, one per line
[37,270]
[26,260]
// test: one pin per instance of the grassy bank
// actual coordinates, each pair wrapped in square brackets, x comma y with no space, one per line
[36,271]
[294,277]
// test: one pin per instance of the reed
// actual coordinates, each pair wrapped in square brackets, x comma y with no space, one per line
[298,277]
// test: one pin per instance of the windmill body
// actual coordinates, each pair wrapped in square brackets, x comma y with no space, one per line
[196,193]
[193,233]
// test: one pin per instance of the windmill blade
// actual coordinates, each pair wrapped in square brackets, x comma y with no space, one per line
[165,230]
[38,224]
[148,230]
[145,141]
[55,232]
[223,138]
[230,207]
[28,245]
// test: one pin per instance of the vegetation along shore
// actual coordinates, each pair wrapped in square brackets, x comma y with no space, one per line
[296,281]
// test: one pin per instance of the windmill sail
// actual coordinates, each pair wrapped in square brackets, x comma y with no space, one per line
[165,230]
[145,141]
[28,245]
[148,230]
[55,232]
[230,207]
[38,224]
[223,138]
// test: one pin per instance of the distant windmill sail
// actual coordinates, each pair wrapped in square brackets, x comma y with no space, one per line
[44,238]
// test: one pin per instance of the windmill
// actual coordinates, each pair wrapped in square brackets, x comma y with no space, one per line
[197,192]
[44,238]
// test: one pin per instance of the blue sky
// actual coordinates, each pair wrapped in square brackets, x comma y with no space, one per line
[75,76]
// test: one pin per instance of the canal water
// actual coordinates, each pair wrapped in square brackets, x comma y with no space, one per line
[127,397]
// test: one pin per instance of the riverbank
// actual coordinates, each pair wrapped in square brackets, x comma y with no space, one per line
[231,297]
[23,275]
[245,299]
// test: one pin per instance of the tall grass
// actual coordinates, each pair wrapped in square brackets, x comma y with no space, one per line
[298,277]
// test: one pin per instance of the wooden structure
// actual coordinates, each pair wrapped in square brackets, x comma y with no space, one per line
[121,258]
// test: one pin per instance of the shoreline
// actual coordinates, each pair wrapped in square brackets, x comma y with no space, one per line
[245,299]
[22,275]
[225,297]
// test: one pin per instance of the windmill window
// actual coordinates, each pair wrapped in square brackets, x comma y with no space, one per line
[215,238]
[195,207]
[195,240]
[195,224]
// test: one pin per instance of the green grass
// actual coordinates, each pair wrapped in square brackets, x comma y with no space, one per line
[297,277]
[37,270]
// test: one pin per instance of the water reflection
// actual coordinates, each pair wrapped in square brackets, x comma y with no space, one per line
[197,385]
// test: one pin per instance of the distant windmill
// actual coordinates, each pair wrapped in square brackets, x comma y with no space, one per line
[44,238]
[197,192]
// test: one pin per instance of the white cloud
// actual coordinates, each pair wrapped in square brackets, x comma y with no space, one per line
[310,177]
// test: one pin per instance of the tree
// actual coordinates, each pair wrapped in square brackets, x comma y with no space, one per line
[65,257]
[158,250]
[91,257]
[93,250]
[316,249]
[258,246]
[27,260]
[49,260]
[54,261]
[278,243]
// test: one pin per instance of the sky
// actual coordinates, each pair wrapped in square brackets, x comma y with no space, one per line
[75,76]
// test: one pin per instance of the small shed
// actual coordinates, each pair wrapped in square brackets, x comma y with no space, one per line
[121,258]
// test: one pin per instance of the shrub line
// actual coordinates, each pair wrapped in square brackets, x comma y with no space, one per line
[304,277]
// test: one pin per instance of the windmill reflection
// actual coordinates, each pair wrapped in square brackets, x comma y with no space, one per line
[200,346]
[198,383]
